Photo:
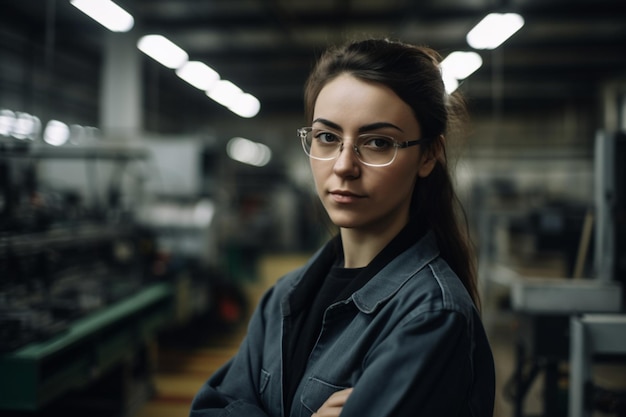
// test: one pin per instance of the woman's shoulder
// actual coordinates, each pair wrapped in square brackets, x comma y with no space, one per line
[443,284]
[431,284]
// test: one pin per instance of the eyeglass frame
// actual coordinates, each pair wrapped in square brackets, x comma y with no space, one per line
[304,131]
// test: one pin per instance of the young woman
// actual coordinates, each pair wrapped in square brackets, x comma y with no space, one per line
[383,320]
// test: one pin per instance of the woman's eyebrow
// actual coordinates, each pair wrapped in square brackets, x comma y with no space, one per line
[378,125]
[362,129]
[328,123]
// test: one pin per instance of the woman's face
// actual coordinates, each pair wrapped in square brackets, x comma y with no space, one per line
[356,195]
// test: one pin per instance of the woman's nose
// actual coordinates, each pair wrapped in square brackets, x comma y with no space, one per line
[347,163]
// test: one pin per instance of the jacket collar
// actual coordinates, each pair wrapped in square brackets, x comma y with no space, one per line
[393,276]
[380,279]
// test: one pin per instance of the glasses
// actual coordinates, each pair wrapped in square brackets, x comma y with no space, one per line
[371,149]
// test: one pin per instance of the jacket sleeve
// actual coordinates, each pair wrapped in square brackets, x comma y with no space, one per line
[424,368]
[234,389]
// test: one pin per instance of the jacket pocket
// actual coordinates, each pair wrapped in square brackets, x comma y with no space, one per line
[269,391]
[316,392]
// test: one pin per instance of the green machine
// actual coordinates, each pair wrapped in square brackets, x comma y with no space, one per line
[38,373]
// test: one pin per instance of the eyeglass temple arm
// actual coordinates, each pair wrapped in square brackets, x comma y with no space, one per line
[415,142]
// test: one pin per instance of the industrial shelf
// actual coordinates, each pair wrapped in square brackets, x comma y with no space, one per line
[38,373]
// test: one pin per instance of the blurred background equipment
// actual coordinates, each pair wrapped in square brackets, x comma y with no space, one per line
[78,300]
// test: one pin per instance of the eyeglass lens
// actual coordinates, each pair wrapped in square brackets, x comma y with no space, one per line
[370,148]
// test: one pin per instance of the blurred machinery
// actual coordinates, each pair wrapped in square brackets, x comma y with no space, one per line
[578,319]
[79,300]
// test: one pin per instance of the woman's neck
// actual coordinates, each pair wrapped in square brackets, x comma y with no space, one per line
[361,246]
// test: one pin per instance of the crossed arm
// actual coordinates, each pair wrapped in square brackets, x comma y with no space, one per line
[334,404]
[421,368]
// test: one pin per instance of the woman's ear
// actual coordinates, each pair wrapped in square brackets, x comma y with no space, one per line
[431,156]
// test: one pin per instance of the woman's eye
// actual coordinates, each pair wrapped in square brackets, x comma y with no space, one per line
[378,142]
[326,137]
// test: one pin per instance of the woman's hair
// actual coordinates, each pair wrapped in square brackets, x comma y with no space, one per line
[413,73]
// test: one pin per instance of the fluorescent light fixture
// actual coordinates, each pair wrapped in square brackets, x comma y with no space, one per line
[225,92]
[26,126]
[450,84]
[198,74]
[77,134]
[494,29]
[7,120]
[232,97]
[107,13]
[248,152]
[163,50]
[246,106]
[460,65]
[56,133]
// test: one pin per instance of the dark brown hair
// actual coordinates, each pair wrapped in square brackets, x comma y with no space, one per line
[413,73]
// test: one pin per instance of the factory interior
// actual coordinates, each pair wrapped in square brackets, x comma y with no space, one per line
[144,212]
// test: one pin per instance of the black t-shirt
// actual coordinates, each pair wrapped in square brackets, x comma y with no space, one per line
[331,290]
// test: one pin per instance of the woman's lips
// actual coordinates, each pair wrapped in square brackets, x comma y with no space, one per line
[341,196]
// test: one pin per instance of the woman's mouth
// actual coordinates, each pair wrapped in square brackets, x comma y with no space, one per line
[342,196]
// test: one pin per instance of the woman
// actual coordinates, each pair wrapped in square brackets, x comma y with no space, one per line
[383,320]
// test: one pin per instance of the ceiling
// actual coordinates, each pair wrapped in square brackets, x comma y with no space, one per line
[51,52]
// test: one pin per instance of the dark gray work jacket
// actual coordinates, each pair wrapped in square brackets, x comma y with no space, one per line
[410,342]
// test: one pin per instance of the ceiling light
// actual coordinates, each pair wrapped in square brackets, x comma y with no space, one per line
[248,152]
[26,126]
[494,29]
[246,106]
[198,74]
[460,65]
[56,133]
[450,84]
[225,93]
[107,13]
[7,120]
[163,50]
